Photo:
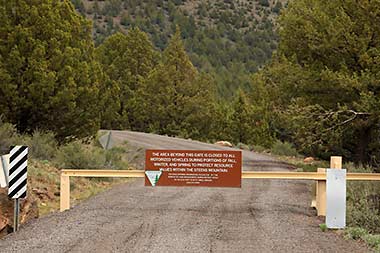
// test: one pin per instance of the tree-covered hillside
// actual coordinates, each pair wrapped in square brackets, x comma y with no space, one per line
[319,91]
[228,39]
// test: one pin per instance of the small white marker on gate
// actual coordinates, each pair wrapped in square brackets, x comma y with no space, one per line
[336,198]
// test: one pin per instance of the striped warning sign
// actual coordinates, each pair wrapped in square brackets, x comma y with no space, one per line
[18,162]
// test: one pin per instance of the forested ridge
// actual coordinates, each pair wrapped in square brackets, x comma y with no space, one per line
[227,39]
[204,70]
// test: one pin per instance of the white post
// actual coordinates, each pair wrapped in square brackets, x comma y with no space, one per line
[336,194]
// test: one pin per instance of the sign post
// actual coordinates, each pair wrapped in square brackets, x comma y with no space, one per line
[16,215]
[208,168]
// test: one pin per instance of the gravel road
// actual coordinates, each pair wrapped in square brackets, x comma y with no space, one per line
[262,216]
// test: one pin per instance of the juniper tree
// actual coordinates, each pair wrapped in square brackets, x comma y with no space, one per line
[178,100]
[327,68]
[126,60]
[49,78]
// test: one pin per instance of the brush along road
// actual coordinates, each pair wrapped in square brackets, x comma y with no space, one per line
[263,216]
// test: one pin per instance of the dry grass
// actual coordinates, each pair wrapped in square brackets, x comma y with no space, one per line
[45,181]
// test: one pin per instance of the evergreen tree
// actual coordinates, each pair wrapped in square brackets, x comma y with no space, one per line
[223,33]
[242,122]
[326,72]
[178,100]
[263,132]
[127,60]
[49,78]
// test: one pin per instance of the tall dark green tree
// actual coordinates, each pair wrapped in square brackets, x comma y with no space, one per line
[49,78]
[262,115]
[126,60]
[327,69]
[178,100]
[242,123]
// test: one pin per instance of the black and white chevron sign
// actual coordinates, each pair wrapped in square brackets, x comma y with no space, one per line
[18,163]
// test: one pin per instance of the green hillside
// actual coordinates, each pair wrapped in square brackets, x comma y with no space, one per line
[319,91]
[228,39]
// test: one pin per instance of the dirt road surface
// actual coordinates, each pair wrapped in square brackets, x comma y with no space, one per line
[262,216]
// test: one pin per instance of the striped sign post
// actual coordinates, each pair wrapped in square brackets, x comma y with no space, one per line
[18,163]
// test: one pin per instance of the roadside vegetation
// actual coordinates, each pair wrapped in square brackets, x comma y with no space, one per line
[293,78]
[44,183]
[357,233]
[363,198]
[322,98]
[47,157]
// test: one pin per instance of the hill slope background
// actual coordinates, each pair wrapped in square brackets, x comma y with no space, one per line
[319,91]
[227,39]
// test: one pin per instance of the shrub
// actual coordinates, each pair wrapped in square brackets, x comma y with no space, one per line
[323,227]
[258,148]
[42,145]
[372,240]
[242,146]
[114,158]
[363,206]
[355,233]
[79,155]
[8,137]
[308,167]
[284,148]
[264,3]
[361,213]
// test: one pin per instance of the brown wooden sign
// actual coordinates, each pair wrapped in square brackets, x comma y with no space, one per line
[211,168]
